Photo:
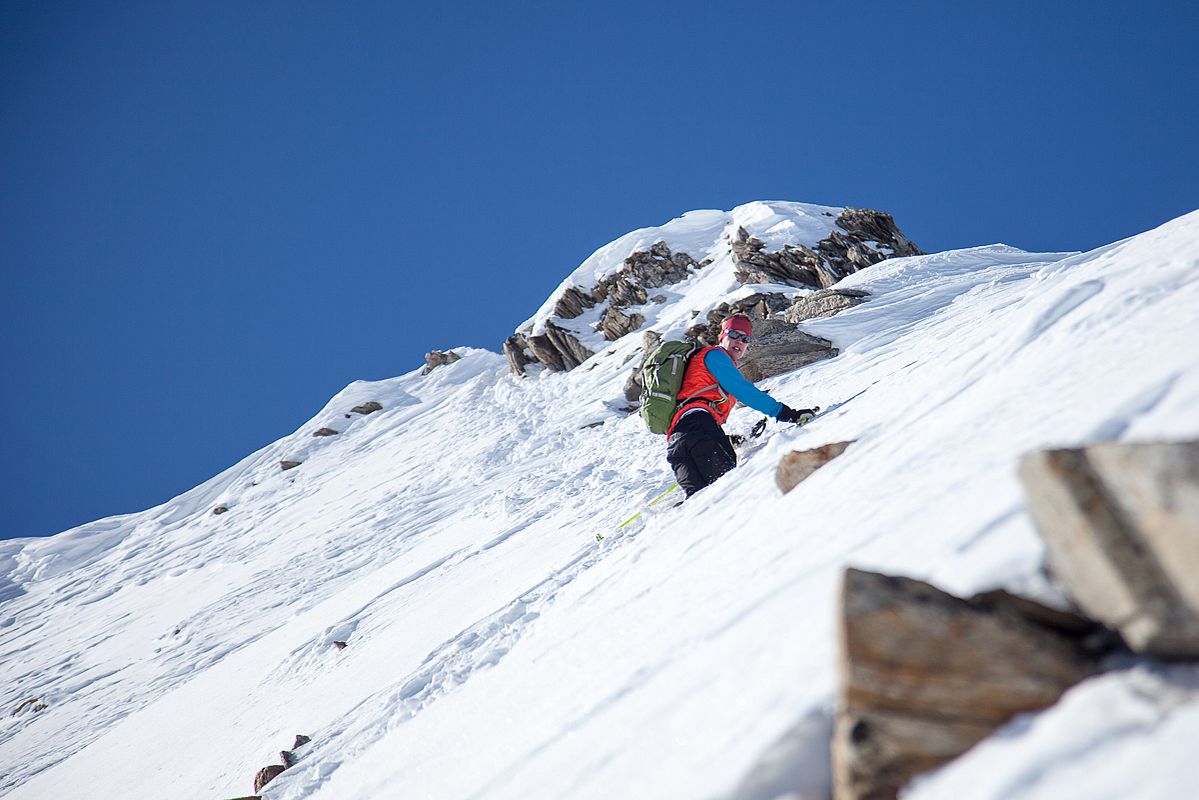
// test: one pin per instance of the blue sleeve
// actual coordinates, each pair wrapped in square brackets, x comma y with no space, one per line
[720,364]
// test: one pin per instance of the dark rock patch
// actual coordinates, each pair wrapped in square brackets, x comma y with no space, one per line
[367,408]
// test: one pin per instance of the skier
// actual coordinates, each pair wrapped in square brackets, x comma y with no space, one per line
[697,448]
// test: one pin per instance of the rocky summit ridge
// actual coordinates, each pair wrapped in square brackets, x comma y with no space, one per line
[767,259]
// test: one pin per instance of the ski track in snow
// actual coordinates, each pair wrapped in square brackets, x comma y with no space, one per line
[449,539]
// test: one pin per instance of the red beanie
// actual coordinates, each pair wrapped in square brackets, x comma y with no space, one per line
[737,323]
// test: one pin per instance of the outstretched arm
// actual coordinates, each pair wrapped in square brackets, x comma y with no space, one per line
[732,381]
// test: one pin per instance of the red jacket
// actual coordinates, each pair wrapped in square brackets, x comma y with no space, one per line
[700,390]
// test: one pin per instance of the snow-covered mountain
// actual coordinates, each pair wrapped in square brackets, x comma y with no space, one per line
[495,649]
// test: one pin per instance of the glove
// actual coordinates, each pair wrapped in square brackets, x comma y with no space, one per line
[799,416]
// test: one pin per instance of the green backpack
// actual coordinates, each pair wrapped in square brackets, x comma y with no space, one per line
[662,376]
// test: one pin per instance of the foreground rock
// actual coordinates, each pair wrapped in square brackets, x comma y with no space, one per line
[1121,528]
[798,465]
[926,675]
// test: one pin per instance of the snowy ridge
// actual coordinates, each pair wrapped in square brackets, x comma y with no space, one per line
[704,235]
[496,650]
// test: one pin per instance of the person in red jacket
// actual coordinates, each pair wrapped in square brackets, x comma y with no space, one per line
[697,448]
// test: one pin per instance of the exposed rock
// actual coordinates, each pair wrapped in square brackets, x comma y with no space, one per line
[437,358]
[367,408]
[1121,529]
[797,465]
[266,775]
[780,347]
[926,675]
[866,237]
[33,705]
[288,758]
[220,509]
[516,350]
[301,740]
[615,324]
[853,250]
[340,645]
[558,349]
[573,302]
[757,307]
[635,383]
[324,432]
[824,303]
[289,464]
[645,269]
[794,265]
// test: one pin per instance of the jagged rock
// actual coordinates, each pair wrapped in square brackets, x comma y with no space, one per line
[1121,530]
[645,269]
[33,705]
[286,465]
[868,237]
[851,251]
[635,383]
[558,349]
[794,265]
[437,358]
[615,324]
[220,509]
[516,350]
[573,302]
[758,307]
[780,347]
[797,465]
[288,758]
[324,432]
[340,645]
[301,740]
[824,303]
[266,775]
[367,408]
[926,675]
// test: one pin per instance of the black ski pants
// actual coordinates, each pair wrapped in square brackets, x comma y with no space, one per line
[699,452]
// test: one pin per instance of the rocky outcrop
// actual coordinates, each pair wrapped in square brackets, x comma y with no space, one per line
[796,265]
[437,358]
[869,237]
[324,432]
[31,706]
[824,303]
[866,237]
[780,347]
[1121,529]
[287,464]
[758,306]
[559,350]
[369,407]
[272,771]
[220,509]
[266,775]
[516,351]
[635,383]
[615,324]
[798,465]
[926,675]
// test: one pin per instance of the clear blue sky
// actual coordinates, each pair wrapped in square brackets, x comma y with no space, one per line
[215,215]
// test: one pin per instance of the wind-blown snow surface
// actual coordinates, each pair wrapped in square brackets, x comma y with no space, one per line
[496,650]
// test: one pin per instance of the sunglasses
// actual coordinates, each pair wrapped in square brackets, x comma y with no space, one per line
[738,336]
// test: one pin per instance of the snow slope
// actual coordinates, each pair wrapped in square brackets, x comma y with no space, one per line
[496,650]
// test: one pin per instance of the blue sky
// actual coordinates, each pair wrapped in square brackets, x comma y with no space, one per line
[216,215]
